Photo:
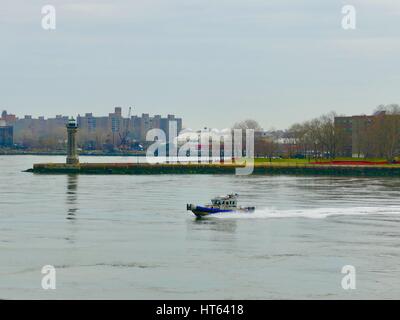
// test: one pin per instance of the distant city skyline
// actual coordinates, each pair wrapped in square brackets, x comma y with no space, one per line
[124,115]
[213,63]
[112,129]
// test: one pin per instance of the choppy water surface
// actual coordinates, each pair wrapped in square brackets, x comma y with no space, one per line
[131,237]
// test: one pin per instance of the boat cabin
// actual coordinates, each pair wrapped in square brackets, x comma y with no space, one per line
[229,201]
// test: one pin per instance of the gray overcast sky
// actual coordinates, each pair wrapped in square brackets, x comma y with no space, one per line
[213,62]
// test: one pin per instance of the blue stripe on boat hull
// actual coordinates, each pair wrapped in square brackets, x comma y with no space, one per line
[205,211]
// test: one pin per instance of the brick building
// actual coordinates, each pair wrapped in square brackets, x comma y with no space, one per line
[353,132]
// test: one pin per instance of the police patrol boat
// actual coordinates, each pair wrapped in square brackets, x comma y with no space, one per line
[219,204]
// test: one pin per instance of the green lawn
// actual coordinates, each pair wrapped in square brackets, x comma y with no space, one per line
[286,160]
[305,161]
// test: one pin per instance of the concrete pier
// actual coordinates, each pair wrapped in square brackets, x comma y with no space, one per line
[195,168]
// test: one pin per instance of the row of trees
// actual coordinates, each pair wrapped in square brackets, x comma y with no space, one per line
[56,139]
[376,136]
[314,138]
[49,140]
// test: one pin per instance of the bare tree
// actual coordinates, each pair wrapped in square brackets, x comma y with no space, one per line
[297,135]
[265,147]
[327,136]
[247,124]
[393,108]
[315,137]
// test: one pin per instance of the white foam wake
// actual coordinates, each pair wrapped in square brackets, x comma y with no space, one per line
[313,213]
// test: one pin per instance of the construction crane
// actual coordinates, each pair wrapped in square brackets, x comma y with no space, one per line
[124,145]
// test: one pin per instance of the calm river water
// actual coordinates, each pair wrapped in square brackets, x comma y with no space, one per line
[130,237]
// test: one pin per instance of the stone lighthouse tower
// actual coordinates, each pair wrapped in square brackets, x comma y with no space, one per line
[72,155]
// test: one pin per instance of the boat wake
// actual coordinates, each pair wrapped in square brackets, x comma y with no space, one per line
[312,213]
